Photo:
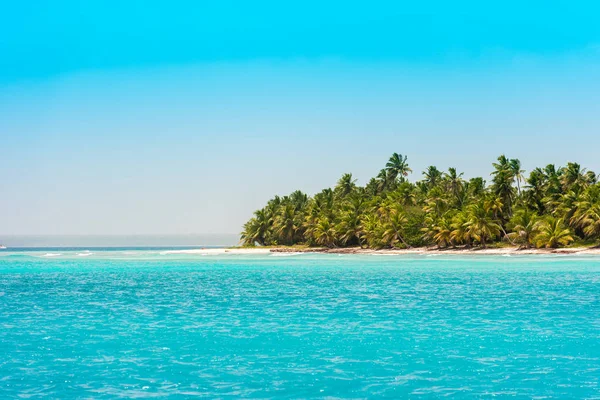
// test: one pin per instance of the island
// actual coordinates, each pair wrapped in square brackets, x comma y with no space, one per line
[553,207]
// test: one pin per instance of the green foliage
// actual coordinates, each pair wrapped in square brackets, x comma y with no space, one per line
[553,233]
[553,207]
[524,226]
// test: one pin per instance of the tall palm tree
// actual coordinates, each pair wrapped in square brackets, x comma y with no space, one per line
[397,167]
[573,177]
[535,193]
[432,176]
[345,185]
[553,188]
[502,185]
[455,184]
[517,172]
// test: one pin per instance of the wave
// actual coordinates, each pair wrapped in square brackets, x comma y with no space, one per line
[52,255]
[295,253]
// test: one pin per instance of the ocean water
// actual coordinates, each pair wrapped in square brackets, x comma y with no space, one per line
[133,323]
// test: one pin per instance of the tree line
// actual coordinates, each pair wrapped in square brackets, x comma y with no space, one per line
[552,207]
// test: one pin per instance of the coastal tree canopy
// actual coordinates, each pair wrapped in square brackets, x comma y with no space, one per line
[552,207]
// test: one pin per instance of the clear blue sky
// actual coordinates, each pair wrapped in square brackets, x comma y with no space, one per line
[121,117]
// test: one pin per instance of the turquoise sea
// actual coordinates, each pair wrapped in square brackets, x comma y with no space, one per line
[134,323]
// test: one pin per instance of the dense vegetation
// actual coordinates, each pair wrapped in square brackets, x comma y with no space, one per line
[553,207]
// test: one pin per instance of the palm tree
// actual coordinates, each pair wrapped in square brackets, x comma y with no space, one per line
[432,176]
[404,194]
[503,164]
[323,203]
[481,224]
[573,177]
[397,167]
[251,233]
[535,190]
[393,226]
[475,187]
[525,227]
[345,185]
[298,199]
[494,205]
[383,180]
[591,221]
[258,228]
[591,178]
[587,214]
[549,210]
[437,201]
[460,229]
[443,233]
[286,224]
[455,184]
[517,172]
[502,184]
[324,233]
[553,188]
[349,229]
[438,230]
[373,231]
[553,233]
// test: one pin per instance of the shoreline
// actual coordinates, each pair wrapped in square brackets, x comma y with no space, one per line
[414,251]
[434,250]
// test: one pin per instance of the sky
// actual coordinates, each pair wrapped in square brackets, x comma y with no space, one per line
[183,117]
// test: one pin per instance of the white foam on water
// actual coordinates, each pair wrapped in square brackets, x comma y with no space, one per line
[52,255]
[217,251]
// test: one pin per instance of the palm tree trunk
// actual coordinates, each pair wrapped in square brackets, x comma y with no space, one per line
[506,235]
[408,246]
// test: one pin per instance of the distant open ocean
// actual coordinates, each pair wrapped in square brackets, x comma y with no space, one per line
[90,322]
[195,240]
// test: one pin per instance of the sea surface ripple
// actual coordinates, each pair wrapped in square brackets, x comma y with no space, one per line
[307,326]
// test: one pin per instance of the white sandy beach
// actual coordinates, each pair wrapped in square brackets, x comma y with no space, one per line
[209,252]
[415,251]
